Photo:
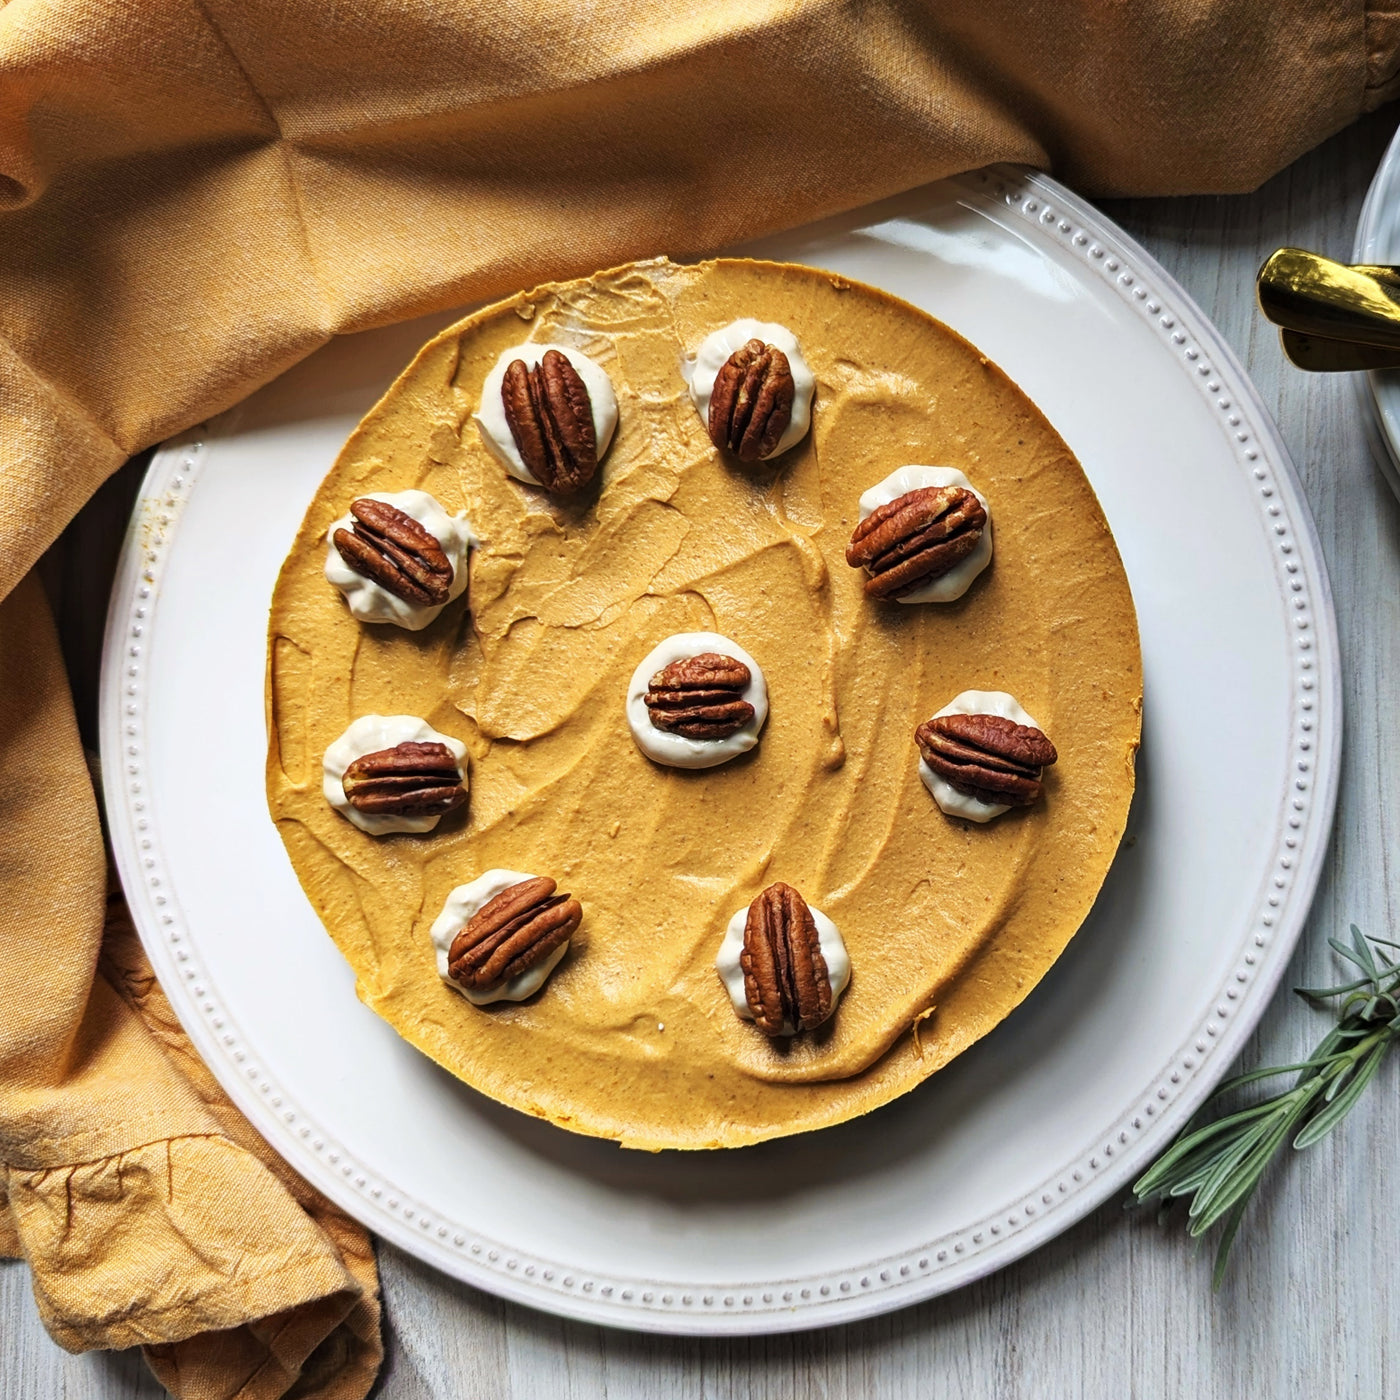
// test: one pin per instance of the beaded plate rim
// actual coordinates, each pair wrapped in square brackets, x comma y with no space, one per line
[1046,210]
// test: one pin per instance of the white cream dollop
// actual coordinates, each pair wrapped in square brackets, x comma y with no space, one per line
[959,578]
[491,416]
[676,750]
[838,961]
[973,702]
[371,602]
[457,912]
[701,369]
[370,734]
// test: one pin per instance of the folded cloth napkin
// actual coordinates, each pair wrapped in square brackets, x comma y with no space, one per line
[150,1211]
[194,194]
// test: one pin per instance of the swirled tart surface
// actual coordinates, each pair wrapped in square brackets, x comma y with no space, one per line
[634,1037]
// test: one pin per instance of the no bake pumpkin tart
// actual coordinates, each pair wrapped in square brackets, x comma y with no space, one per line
[562,447]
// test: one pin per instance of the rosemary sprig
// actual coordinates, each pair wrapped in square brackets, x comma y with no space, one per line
[1219,1164]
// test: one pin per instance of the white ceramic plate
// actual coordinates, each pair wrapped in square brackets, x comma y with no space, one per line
[1025,1133]
[1378,241]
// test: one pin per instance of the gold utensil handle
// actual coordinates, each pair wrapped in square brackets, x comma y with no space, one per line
[1315,296]
[1389,275]
[1314,352]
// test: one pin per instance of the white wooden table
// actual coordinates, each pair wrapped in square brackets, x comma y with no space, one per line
[1116,1306]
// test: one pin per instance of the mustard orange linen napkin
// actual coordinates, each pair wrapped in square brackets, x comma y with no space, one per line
[194,194]
[150,1211]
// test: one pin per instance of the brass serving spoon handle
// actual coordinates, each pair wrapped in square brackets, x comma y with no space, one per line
[1389,275]
[1316,297]
[1315,352]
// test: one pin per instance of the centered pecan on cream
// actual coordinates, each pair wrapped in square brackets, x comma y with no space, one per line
[700,697]
[786,982]
[410,780]
[916,538]
[751,402]
[986,756]
[512,933]
[550,416]
[389,546]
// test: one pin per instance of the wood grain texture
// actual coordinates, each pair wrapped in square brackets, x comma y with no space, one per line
[1116,1306]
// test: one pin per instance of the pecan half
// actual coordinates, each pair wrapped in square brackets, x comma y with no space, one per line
[751,403]
[700,697]
[409,780]
[786,981]
[512,933]
[551,419]
[916,538]
[392,548]
[986,756]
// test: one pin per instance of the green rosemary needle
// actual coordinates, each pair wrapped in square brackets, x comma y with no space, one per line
[1219,1164]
